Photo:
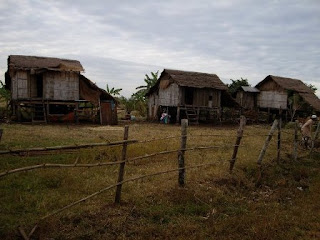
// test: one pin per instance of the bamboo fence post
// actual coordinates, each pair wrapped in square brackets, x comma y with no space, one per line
[183,145]
[238,140]
[279,138]
[315,137]
[268,139]
[295,143]
[121,169]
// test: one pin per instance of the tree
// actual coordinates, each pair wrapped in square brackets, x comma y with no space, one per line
[5,96]
[137,101]
[149,83]
[233,87]
[313,87]
[113,91]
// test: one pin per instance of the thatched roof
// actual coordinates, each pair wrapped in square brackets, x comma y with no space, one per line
[33,62]
[297,86]
[287,84]
[190,79]
[91,92]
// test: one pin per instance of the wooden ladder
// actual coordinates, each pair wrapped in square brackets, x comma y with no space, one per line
[39,113]
[192,115]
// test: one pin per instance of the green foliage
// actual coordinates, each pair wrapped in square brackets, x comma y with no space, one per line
[313,88]
[137,101]
[4,93]
[5,97]
[113,91]
[149,83]
[233,87]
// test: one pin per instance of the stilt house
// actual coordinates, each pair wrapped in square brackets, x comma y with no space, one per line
[49,89]
[290,95]
[192,95]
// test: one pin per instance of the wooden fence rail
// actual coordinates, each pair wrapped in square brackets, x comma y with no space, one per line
[66,147]
[181,169]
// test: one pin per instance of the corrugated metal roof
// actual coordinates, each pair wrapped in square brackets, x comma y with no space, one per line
[250,89]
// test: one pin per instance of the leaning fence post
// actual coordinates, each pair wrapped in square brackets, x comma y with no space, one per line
[279,139]
[266,144]
[295,143]
[315,137]
[183,145]
[121,169]
[238,140]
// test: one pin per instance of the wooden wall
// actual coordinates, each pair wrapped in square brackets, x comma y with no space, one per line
[56,85]
[246,100]
[19,85]
[272,99]
[61,85]
[272,95]
[169,96]
[201,97]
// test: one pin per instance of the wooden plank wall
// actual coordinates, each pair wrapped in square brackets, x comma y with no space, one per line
[201,97]
[169,96]
[19,85]
[56,85]
[246,100]
[61,85]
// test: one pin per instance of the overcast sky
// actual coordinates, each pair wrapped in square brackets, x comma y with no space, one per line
[119,41]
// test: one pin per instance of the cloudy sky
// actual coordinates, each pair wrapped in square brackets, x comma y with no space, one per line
[119,41]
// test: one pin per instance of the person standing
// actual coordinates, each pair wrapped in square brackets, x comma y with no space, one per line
[306,130]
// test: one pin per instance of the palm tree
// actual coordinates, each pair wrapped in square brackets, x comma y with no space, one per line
[113,91]
[150,82]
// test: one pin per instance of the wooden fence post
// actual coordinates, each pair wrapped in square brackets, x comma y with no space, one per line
[238,140]
[315,137]
[295,143]
[1,131]
[183,145]
[121,169]
[266,144]
[279,137]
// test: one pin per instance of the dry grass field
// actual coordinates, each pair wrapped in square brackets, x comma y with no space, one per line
[214,204]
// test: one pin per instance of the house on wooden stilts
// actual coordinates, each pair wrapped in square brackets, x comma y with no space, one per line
[192,95]
[45,89]
[289,95]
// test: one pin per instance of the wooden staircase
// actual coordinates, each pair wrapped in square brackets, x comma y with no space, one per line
[39,113]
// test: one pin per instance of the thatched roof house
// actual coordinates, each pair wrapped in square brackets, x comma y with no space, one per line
[48,86]
[20,62]
[182,92]
[277,92]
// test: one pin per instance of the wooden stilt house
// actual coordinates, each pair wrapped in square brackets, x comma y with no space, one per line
[192,95]
[290,95]
[48,89]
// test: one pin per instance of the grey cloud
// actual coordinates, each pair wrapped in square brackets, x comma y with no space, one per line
[231,38]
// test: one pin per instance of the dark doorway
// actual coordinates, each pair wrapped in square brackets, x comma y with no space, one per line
[39,79]
[188,99]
